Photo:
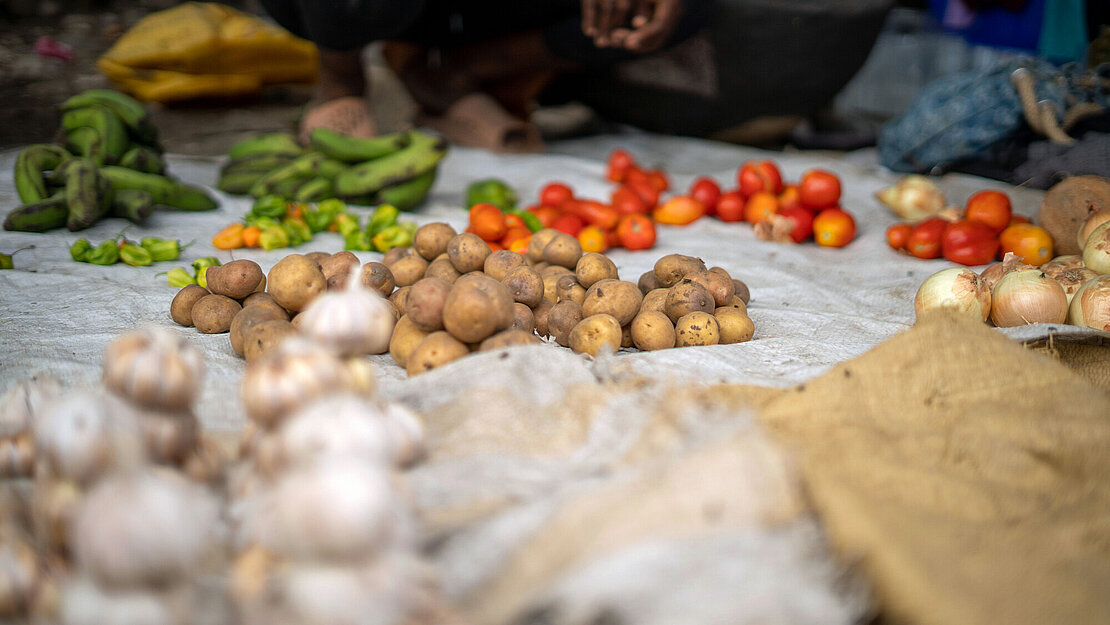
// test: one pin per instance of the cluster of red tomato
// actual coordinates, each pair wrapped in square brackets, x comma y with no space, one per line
[987,230]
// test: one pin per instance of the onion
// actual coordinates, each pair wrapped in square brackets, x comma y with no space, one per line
[913,198]
[1094,220]
[1070,279]
[1069,261]
[1096,253]
[1090,307]
[1027,296]
[959,289]
[1011,262]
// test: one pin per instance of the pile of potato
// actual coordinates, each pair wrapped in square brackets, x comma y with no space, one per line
[452,296]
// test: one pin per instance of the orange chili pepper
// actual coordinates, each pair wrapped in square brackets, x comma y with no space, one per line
[229,238]
[251,235]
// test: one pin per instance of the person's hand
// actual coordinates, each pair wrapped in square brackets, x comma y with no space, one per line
[651,21]
[600,18]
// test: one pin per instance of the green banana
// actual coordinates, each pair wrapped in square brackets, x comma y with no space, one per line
[310,165]
[423,154]
[132,204]
[269,143]
[316,189]
[83,194]
[260,164]
[237,183]
[408,194]
[144,159]
[349,149]
[286,188]
[87,143]
[39,216]
[163,190]
[30,183]
[129,110]
[113,133]
[366,199]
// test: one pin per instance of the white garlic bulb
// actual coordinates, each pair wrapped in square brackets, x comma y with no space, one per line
[83,434]
[19,575]
[22,403]
[169,436]
[332,427]
[86,603]
[353,321]
[155,368]
[294,374]
[17,455]
[406,434]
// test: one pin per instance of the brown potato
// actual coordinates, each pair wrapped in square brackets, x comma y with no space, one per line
[539,316]
[236,279]
[260,299]
[400,300]
[431,240]
[563,250]
[741,290]
[181,308]
[318,257]
[736,302]
[261,288]
[212,314]
[509,338]
[626,336]
[406,336]
[525,285]
[467,252]
[539,267]
[538,242]
[567,287]
[297,320]
[263,337]
[647,282]
[652,330]
[734,325]
[686,297]
[721,270]
[561,319]
[554,270]
[395,254]
[476,308]
[443,269]
[673,267]
[550,282]
[593,267]
[425,302]
[595,334]
[378,277]
[697,328]
[409,269]
[613,297]
[718,285]
[249,317]
[501,262]
[295,281]
[523,318]
[436,350]
[655,300]
[337,267]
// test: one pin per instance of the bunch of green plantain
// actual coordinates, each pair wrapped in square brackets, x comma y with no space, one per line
[108,163]
[397,169]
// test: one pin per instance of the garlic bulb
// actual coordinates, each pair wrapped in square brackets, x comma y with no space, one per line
[294,374]
[1096,253]
[406,433]
[344,426]
[53,504]
[206,460]
[86,603]
[1027,296]
[154,368]
[22,403]
[913,198]
[17,455]
[146,528]
[958,289]
[353,321]
[169,437]
[1090,307]
[83,434]
[19,575]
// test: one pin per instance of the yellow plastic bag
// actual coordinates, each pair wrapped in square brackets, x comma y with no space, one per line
[204,49]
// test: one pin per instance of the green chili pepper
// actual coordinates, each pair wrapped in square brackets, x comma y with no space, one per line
[269,206]
[332,206]
[161,249]
[6,261]
[80,250]
[178,277]
[107,253]
[531,221]
[298,230]
[134,255]
[383,217]
[317,220]
[261,222]
[410,226]
[491,191]
[391,237]
[273,238]
[346,224]
[358,241]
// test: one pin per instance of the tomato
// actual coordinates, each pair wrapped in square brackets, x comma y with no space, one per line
[730,207]
[1032,243]
[612,239]
[924,239]
[969,243]
[658,180]
[569,224]
[636,232]
[487,221]
[594,213]
[789,198]
[494,246]
[801,222]
[819,188]
[555,194]
[680,210]
[833,227]
[520,246]
[546,214]
[897,235]
[759,176]
[514,221]
[513,235]
[1018,219]
[706,191]
[592,239]
[620,162]
[759,206]
[627,202]
[991,208]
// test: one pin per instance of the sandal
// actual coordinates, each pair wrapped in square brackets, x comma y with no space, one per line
[348,115]
[477,120]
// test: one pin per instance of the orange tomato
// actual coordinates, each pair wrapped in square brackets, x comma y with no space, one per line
[834,227]
[897,235]
[990,208]
[1018,219]
[679,211]
[513,234]
[1032,243]
[514,221]
[760,206]
[636,232]
[487,221]
[251,236]
[592,239]
[546,214]
[520,246]
[494,246]
[789,198]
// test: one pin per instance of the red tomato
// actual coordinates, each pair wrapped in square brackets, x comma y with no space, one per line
[924,239]
[969,243]
[636,232]
[612,238]
[487,221]
[570,224]
[627,201]
[513,234]
[833,227]
[759,206]
[991,208]
[658,180]
[620,162]
[759,176]
[706,191]
[802,220]
[819,188]
[595,213]
[546,214]
[897,235]
[555,194]
[679,211]
[730,207]
[648,193]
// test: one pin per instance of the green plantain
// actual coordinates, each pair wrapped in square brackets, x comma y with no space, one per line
[408,194]
[356,150]
[132,204]
[31,164]
[422,155]
[260,164]
[269,143]
[39,216]
[310,165]
[144,159]
[113,134]
[83,194]
[314,190]
[162,189]
[237,182]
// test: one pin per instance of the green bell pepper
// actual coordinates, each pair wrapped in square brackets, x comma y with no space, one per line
[161,249]
[358,241]
[345,224]
[491,191]
[200,265]
[269,206]
[298,230]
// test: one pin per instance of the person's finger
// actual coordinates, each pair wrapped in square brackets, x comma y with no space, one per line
[605,22]
[622,12]
[641,13]
[589,17]
[653,34]
[618,36]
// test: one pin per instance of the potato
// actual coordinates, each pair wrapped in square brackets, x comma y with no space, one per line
[509,338]
[655,300]
[212,314]
[436,350]
[593,267]
[561,319]
[686,297]
[721,270]
[249,317]
[525,285]
[378,277]
[337,267]
[673,267]
[261,288]
[539,267]
[613,297]
[539,241]
[563,250]
[523,318]
[735,326]
[736,302]
[431,240]
[501,262]
[567,287]
[550,292]
[626,336]
[260,299]
[181,308]
[443,269]
[647,282]
[263,337]
[595,334]
[554,270]
[400,300]
[539,316]
[467,252]
[295,281]
[425,302]
[653,330]
[318,257]
[406,336]
[1067,205]
[236,279]
[476,308]
[395,254]
[697,328]
[740,290]
[409,269]
[719,286]
[297,320]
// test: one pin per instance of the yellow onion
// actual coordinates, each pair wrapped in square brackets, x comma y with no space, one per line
[1096,253]
[1070,279]
[959,289]
[354,321]
[1090,307]
[1094,220]
[913,198]
[154,368]
[289,377]
[1027,296]
[1062,263]
[1010,262]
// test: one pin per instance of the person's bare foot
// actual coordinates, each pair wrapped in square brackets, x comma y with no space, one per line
[348,115]
[340,101]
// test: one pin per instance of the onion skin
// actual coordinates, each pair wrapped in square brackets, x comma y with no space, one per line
[958,289]
[1011,262]
[1062,263]
[1071,279]
[1025,297]
[1090,307]
[1095,220]
[913,198]
[1096,253]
